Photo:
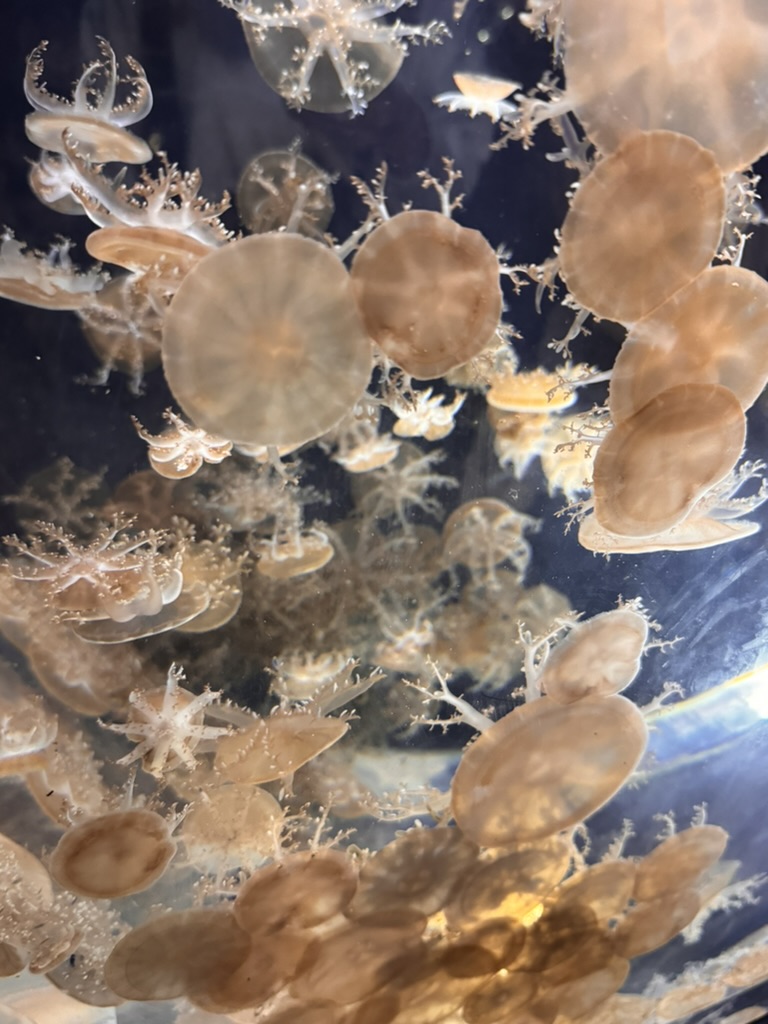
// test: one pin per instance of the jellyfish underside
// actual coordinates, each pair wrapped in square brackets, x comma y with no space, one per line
[291,356]
[428,291]
[644,223]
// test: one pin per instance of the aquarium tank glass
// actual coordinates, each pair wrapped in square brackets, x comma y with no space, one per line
[383,595]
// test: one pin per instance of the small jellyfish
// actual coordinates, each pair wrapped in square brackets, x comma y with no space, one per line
[428,291]
[285,190]
[600,656]
[328,55]
[480,94]
[644,223]
[48,280]
[652,469]
[97,123]
[114,855]
[290,356]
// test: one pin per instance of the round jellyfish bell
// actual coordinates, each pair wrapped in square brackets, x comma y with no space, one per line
[699,69]
[263,343]
[114,855]
[710,332]
[644,223]
[545,767]
[652,469]
[285,189]
[429,291]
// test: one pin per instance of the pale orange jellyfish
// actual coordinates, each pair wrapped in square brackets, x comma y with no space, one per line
[428,290]
[263,343]
[644,223]
[652,469]
[712,331]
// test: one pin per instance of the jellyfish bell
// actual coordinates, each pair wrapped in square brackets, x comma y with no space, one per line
[652,469]
[263,343]
[428,291]
[545,767]
[640,67]
[644,223]
[285,189]
[141,249]
[712,331]
[693,533]
[114,855]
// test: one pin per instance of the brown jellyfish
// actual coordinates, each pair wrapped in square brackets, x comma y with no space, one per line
[660,65]
[170,953]
[263,343]
[600,656]
[647,926]
[604,888]
[428,290]
[544,767]
[113,855]
[276,746]
[500,998]
[710,332]
[419,869]
[652,469]
[643,224]
[301,891]
[679,861]
[509,887]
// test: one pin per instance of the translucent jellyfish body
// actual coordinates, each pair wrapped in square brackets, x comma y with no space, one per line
[428,290]
[284,189]
[263,343]
[643,224]
[545,767]
[97,122]
[327,55]
[652,469]
[692,67]
[710,332]
[600,656]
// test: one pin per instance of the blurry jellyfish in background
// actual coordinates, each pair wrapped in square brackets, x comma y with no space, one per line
[283,189]
[328,55]
[698,69]
[428,290]
[263,343]
[95,119]
[480,94]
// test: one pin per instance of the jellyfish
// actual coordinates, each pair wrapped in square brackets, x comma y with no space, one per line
[646,221]
[97,122]
[291,356]
[544,767]
[480,94]
[652,469]
[428,290]
[683,67]
[283,189]
[180,450]
[46,280]
[114,855]
[712,331]
[328,55]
